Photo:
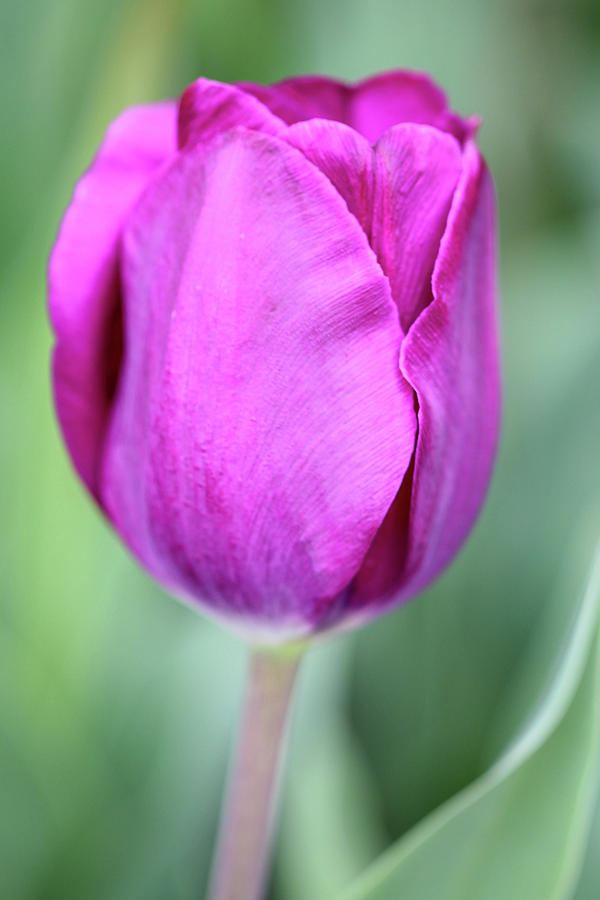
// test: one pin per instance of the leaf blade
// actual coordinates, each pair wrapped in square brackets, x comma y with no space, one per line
[462,851]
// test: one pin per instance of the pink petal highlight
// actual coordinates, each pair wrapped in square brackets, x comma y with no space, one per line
[83,275]
[262,427]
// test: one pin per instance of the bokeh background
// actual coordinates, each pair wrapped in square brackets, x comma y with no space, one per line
[117,704]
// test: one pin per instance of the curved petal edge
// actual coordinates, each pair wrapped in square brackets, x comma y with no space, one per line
[84,280]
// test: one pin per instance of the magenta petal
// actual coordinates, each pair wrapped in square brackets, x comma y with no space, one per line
[262,427]
[400,191]
[417,173]
[393,97]
[83,277]
[208,108]
[370,107]
[304,97]
[450,356]
[345,157]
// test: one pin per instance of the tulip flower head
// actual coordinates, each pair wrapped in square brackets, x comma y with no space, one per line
[276,364]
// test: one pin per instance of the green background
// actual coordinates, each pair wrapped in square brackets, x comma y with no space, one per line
[117,704]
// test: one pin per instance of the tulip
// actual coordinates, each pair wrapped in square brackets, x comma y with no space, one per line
[276,364]
[276,356]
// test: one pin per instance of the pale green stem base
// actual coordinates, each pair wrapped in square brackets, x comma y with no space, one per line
[240,866]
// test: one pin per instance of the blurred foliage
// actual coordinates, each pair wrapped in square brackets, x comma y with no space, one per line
[117,705]
[519,830]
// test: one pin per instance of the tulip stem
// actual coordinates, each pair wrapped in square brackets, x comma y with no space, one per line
[243,847]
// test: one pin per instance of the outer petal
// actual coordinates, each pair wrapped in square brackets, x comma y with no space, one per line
[371,106]
[262,428]
[84,287]
[208,108]
[400,191]
[450,356]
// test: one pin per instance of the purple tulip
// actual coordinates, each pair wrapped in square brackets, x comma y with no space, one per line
[276,363]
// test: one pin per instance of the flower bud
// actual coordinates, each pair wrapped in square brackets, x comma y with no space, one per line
[276,362]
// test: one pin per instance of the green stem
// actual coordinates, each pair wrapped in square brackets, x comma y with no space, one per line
[240,866]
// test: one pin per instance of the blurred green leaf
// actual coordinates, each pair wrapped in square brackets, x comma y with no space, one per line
[587,889]
[325,844]
[518,831]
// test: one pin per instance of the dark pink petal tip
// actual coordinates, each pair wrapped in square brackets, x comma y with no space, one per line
[370,106]
[209,108]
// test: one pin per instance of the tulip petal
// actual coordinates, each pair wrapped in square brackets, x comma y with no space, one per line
[418,170]
[370,106]
[208,108]
[83,277]
[400,96]
[305,97]
[400,191]
[450,356]
[262,427]
[345,157]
